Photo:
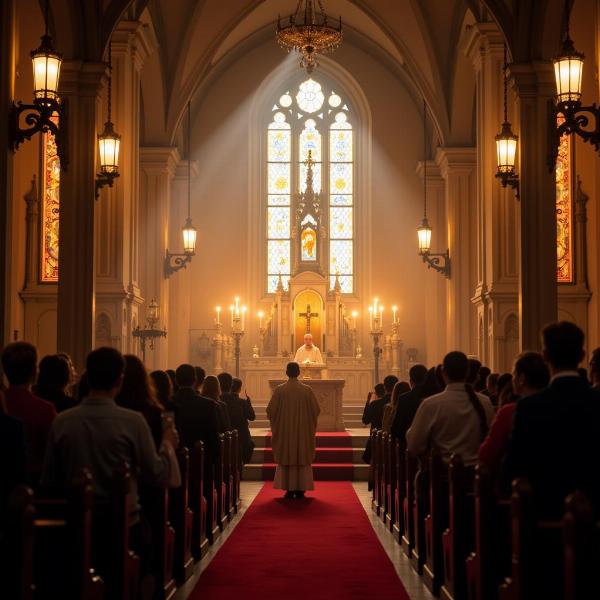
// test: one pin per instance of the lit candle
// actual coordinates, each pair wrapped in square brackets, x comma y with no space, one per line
[237,307]
[381,317]
[218,315]
[354,315]
[394,309]
[261,314]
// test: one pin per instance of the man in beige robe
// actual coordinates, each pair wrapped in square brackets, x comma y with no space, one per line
[308,353]
[293,412]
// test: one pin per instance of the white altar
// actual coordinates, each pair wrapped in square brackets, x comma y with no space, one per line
[329,393]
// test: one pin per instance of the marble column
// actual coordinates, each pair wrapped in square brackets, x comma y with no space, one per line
[495,296]
[117,269]
[80,84]
[534,87]
[458,169]
[157,169]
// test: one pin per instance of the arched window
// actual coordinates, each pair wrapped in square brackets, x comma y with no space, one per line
[310,117]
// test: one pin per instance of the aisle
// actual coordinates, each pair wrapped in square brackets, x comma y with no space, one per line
[320,547]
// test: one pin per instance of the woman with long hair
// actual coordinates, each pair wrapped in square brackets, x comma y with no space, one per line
[164,388]
[211,388]
[54,377]
[389,412]
[138,393]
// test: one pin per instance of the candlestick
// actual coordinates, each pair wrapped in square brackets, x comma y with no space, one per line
[381,317]
[231,309]
[394,310]
[243,317]
[370,318]
[218,315]
[261,314]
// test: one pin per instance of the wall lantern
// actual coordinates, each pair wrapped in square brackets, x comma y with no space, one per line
[175,262]
[434,261]
[47,113]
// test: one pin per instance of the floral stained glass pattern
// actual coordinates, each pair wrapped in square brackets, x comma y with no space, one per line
[341,262]
[564,212]
[50,209]
[340,223]
[341,178]
[310,97]
[279,257]
[310,140]
[279,222]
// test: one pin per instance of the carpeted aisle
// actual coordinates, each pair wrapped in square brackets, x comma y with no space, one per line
[320,547]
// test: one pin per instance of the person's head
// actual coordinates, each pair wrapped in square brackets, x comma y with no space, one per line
[595,367]
[225,381]
[308,340]
[492,383]
[73,371]
[104,368]
[185,375]
[455,367]
[401,387]
[236,385]
[473,370]
[379,390]
[389,382]
[481,382]
[583,374]
[171,374]
[137,391]
[200,375]
[19,362]
[83,387]
[54,373]
[417,375]
[292,369]
[530,373]
[211,387]
[431,385]
[563,346]
[163,386]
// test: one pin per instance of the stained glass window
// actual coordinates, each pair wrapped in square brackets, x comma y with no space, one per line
[311,116]
[564,211]
[50,209]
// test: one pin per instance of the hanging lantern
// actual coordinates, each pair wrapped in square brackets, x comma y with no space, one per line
[153,313]
[109,143]
[424,235]
[506,150]
[189,237]
[46,72]
[568,71]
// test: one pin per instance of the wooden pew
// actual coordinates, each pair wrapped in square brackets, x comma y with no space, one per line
[537,563]
[181,518]
[399,491]
[489,562]
[420,510]
[228,475]
[237,469]
[408,533]
[435,523]
[155,507]
[581,536]
[458,538]
[220,484]
[385,476]
[376,470]
[197,502]
[16,547]
[391,483]
[210,496]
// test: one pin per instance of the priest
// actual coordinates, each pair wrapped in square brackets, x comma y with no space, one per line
[308,353]
[293,412]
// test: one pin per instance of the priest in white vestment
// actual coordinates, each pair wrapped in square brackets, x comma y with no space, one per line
[293,412]
[308,353]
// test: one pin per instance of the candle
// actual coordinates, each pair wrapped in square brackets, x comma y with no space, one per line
[237,307]
[394,310]
[354,315]
[261,314]
[243,317]
[231,309]
[371,318]
[381,317]
[218,315]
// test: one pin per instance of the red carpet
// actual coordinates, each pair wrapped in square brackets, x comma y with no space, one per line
[320,547]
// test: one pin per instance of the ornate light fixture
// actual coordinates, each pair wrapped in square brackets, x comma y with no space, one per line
[109,141]
[309,33]
[150,333]
[424,230]
[582,120]
[41,115]
[189,231]
[506,144]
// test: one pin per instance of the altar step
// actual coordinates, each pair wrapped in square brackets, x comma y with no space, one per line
[352,416]
[338,457]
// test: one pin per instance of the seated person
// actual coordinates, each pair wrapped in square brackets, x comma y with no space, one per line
[54,378]
[454,421]
[12,455]
[555,439]
[19,361]
[308,353]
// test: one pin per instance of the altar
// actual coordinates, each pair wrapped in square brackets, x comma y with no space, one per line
[329,393]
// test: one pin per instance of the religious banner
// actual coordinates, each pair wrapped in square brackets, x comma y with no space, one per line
[50,208]
[564,210]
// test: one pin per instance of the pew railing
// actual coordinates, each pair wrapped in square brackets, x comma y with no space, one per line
[435,523]
[197,502]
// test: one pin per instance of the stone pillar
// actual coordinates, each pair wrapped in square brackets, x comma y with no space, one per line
[495,295]
[157,168]
[535,88]
[80,84]
[117,287]
[7,84]
[458,168]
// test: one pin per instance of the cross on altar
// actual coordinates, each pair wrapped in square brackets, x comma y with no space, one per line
[308,316]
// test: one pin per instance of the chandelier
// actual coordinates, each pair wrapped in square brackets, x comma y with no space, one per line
[308,32]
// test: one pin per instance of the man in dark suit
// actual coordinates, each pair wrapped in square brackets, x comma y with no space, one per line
[196,417]
[12,454]
[373,413]
[409,402]
[555,440]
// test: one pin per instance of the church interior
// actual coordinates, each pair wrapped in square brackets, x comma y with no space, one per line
[387,192]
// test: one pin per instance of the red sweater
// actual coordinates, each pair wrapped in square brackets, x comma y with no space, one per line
[494,447]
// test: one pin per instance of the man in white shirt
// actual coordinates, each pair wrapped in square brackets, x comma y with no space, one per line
[455,421]
[308,353]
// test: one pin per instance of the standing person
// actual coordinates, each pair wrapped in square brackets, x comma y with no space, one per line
[19,361]
[373,414]
[309,353]
[375,394]
[164,388]
[389,411]
[53,379]
[240,412]
[211,388]
[12,455]
[408,403]
[293,412]
[595,369]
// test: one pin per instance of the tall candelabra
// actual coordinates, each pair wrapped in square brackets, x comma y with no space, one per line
[238,318]
[376,322]
[150,333]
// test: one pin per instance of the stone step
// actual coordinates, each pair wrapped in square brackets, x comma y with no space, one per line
[321,472]
[356,438]
[322,455]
